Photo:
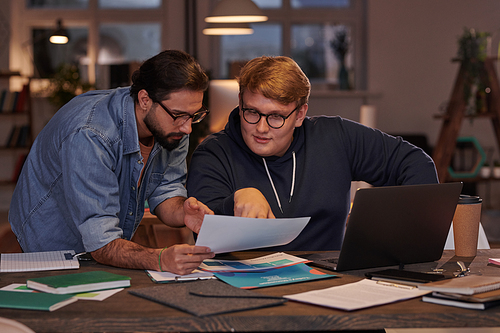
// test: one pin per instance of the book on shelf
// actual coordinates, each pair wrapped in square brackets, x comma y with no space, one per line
[3,95]
[15,132]
[479,301]
[11,136]
[19,136]
[21,105]
[9,101]
[14,101]
[467,285]
[34,301]
[22,139]
[78,282]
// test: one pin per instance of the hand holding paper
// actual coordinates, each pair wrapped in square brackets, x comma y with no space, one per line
[229,233]
[194,211]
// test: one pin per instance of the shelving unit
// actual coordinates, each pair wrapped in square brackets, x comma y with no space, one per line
[455,113]
[17,118]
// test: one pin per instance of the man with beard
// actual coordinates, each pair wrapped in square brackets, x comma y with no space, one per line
[84,184]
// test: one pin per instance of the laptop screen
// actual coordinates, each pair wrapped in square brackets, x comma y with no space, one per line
[396,225]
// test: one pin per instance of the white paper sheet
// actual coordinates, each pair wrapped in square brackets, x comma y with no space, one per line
[358,295]
[160,277]
[229,233]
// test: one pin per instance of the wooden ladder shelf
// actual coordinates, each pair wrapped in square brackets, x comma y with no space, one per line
[455,113]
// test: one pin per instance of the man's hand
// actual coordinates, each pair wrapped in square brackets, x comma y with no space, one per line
[250,202]
[194,212]
[178,259]
[183,259]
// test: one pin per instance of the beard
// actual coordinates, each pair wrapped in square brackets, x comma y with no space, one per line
[165,140]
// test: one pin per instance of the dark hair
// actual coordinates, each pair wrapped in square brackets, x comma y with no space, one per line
[167,72]
[279,78]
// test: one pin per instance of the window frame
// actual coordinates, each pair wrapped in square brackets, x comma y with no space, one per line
[353,16]
[24,19]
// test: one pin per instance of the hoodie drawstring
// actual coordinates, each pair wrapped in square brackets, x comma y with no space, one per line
[272,183]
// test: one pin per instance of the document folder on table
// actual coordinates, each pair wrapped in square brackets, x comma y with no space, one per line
[207,297]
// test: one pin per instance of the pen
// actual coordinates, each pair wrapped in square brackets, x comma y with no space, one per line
[397,285]
[180,278]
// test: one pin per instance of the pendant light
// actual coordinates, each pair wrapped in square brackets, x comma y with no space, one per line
[60,35]
[228,29]
[236,11]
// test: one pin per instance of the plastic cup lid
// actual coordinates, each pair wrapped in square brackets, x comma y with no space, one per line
[469,199]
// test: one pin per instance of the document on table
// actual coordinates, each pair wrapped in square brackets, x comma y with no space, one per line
[162,277]
[229,233]
[358,295]
[268,262]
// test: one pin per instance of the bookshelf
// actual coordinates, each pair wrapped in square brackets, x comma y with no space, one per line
[16,120]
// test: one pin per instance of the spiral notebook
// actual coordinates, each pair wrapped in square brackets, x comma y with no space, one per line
[38,261]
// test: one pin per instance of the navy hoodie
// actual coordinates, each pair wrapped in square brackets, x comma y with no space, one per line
[330,152]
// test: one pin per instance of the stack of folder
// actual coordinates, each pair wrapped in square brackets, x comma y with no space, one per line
[53,292]
[471,292]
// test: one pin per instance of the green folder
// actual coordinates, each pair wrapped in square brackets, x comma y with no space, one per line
[34,301]
[78,282]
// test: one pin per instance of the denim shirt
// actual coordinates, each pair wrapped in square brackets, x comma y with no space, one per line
[78,187]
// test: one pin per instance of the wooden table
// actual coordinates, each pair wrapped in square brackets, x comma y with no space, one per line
[127,313]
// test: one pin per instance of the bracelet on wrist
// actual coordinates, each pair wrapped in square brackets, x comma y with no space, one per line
[159,259]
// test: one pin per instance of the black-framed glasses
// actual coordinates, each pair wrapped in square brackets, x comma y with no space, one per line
[181,118]
[274,120]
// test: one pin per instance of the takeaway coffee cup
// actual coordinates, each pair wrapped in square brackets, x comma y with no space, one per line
[466,225]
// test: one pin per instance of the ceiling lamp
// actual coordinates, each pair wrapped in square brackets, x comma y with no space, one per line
[228,29]
[235,11]
[60,35]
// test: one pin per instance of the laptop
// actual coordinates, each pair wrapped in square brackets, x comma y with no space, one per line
[395,225]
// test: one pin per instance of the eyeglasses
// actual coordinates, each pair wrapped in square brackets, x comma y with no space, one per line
[274,120]
[182,118]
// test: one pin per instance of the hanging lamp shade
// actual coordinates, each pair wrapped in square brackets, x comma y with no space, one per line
[228,29]
[60,35]
[236,11]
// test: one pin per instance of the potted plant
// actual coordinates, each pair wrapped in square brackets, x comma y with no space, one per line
[340,46]
[66,84]
[472,47]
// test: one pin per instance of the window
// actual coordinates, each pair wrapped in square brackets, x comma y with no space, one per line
[122,45]
[107,38]
[305,30]
[312,49]
[59,4]
[48,57]
[320,3]
[129,4]
[72,4]
[268,3]
[266,40]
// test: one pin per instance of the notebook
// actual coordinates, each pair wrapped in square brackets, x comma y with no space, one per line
[38,261]
[395,225]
